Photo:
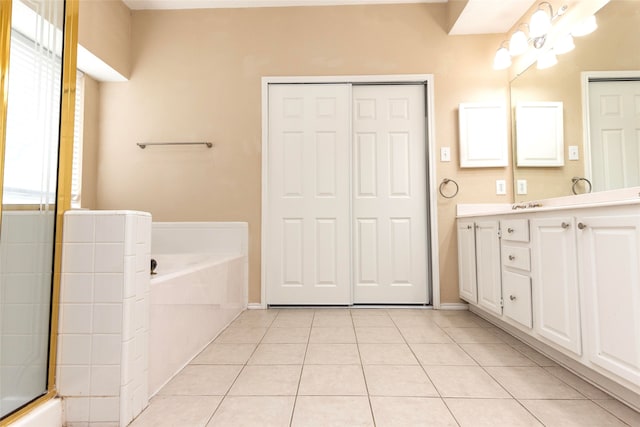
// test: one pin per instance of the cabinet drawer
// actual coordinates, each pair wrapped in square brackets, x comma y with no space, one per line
[516,294]
[515,230]
[516,257]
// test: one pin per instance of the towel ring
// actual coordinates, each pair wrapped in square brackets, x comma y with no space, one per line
[445,182]
[576,180]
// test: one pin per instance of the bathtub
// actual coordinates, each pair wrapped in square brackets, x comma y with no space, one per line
[193,297]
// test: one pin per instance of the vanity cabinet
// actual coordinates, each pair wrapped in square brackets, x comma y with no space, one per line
[554,268]
[467,261]
[516,271]
[488,265]
[609,260]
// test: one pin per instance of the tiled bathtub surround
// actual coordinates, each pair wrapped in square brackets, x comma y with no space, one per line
[104,317]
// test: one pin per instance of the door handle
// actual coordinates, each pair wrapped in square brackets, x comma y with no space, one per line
[582,226]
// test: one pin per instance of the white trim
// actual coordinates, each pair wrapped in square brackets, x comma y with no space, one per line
[256,306]
[48,414]
[454,306]
[586,124]
[431,158]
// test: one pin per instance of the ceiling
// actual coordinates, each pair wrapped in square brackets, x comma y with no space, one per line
[477,16]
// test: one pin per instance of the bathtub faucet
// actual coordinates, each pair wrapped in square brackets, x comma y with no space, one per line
[154,265]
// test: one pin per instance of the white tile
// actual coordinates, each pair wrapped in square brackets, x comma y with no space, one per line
[79,228]
[76,287]
[75,349]
[332,335]
[278,354]
[386,354]
[202,380]
[143,261]
[77,258]
[251,411]
[332,354]
[129,278]
[179,411]
[130,235]
[411,412]
[107,318]
[464,381]
[335,411]
[104,409]
[108,287]
[75,318]
[105,380]
[109,257]
[389,380]
[332,380]
[76,409]
[128,314]
[491,413]
[73,380]
[267,380]
[379,335]
[126,368]
[106,349]
[110,228]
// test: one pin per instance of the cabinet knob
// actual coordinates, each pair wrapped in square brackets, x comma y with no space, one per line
[510,230]
[469,227]
[582,226]
[511,257]
[565,225]
[512,297]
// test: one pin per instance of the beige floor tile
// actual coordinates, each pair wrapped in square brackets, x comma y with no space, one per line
[532,383]
[332,380]
[505,337]
[325,320]
[442,354]
[621,411]
[251,411]
[411,412]
[416,321]
[496,355]
[278,354]
[202,380]
[286,336]
[225,354]
[369,312]
[388,380]
[456,322]
[267,380]
[578,383]
[473,335]
[426,335]
[571,413]
[539,358]
[171,411]
[255,318]
[490,413]
[379,335]
[332,354]
[464,381]
[482,323]
[333,335]
[241,335]
[386,354]
[334,411]
[373,321]
[293,319]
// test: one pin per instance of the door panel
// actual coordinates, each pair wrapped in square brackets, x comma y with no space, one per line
[488,273]
[308,252]
[389,203]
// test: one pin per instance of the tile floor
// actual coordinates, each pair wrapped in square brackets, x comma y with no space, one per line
[375,367]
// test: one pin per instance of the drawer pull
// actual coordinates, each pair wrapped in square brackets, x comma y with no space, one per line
[565,225]
[512,297]
[511,257]
[469,227]
[510,230]
[582,226]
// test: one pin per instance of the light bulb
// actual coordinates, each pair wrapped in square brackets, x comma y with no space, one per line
[518,43]
[587,26]
[565,44]
[502,59]
[546,59]
[540,24]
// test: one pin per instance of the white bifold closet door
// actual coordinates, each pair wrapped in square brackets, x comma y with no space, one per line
[346,192]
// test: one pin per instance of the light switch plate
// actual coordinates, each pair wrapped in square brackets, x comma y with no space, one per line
[522,186]
[445,154]
[573,152]
[501,187]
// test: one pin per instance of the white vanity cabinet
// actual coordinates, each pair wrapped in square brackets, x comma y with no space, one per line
[555,296]
[488,265]
[609,258]
[516,268]
[467,261]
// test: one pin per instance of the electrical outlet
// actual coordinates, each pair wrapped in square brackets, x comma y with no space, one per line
[445,154]
[522,186]
[501,187]
[573,152]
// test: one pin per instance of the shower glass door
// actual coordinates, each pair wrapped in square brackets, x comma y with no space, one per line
[29,181]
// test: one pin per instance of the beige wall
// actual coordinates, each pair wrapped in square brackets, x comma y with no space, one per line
[104,28]
[196,76]
[90,140]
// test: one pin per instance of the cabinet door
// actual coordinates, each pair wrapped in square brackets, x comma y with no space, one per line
[467,261]
[488,266]
[609,258]
[555,282]
[516,289]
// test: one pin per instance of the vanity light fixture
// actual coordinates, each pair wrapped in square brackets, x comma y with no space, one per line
[587,26]
[502,59]
[565,44]
[546,59]
[518,43]
[540,23]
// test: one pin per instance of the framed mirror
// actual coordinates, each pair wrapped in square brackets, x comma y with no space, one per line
[610,54]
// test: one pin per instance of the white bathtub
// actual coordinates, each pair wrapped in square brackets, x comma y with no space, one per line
[193,298]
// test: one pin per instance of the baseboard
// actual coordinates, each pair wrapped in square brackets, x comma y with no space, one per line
[256,306]
[454,306]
